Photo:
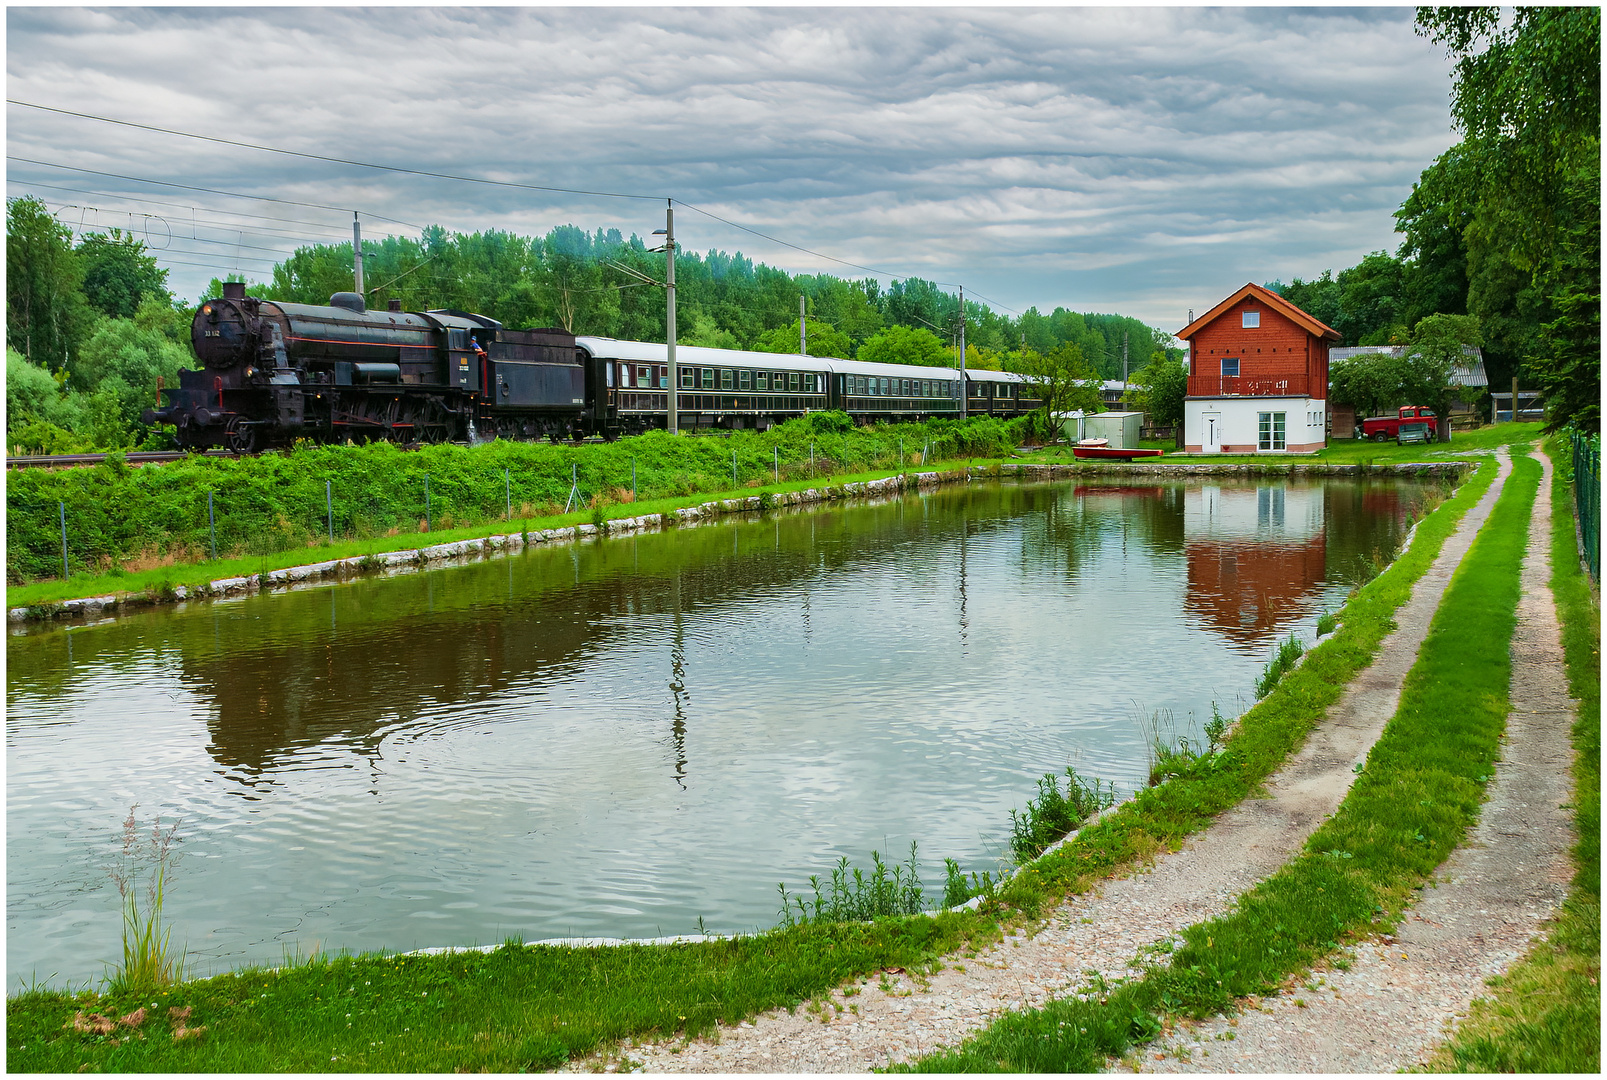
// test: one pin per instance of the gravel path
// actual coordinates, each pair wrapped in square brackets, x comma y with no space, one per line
[1399,999]
[897,1018]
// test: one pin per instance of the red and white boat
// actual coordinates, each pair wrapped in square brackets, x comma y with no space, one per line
[1100,449]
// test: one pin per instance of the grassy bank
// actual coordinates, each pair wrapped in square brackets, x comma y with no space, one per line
[135,519]
[534,1007]
[1419,793]
[1545,1013]
[147,530]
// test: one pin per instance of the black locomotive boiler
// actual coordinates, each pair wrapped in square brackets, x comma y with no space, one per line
[273,372]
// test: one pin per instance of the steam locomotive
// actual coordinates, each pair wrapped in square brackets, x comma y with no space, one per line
[274,372]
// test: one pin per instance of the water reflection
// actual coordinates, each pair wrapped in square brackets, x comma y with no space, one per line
[620,737]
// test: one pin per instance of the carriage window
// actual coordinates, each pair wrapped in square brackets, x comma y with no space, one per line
[744,379]
[761,380]
[792,381]
[708,378]
[686,378]
[608,374]
[725,378]
[644,376]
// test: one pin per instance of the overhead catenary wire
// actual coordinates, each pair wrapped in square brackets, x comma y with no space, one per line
[334,160]
[210,191]
[454,177]
[197,223]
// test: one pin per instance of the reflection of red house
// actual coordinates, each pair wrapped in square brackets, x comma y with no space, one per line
[1254,557]
[1250,591]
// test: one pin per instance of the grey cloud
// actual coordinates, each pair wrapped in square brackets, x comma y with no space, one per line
[1145,160]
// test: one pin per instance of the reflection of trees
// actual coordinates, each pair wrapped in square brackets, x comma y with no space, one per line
[1364,520]
[1071,525]
[344,666]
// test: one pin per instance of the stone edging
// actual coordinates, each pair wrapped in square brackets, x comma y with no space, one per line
[91,606]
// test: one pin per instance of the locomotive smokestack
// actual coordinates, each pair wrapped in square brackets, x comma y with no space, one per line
[234,290]
[394,305]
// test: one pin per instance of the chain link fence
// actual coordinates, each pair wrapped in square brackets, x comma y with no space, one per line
[112,516]
[1587,498]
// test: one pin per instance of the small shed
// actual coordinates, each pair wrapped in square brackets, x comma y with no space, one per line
[1121,429]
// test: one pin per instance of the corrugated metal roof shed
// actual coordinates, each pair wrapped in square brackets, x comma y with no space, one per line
[1468,373]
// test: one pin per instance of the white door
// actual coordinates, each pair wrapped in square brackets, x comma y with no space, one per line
[1213,433]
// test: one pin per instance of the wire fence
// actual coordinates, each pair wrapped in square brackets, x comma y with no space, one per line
[109,518]
[1587,498]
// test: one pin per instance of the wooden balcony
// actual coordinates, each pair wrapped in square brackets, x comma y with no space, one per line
[1247,385]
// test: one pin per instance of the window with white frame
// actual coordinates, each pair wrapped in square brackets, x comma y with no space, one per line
[1252,319]
[1272,430]
[1230,367]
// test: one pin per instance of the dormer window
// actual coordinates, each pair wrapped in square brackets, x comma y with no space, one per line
[1252,319]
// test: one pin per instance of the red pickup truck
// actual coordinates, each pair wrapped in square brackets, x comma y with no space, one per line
[1382,428]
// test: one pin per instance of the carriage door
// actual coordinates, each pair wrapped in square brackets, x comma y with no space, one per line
[463,363]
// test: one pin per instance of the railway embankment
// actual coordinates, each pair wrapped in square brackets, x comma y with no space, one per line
[613,522]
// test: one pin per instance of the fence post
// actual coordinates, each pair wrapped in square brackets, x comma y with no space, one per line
[507,494]
[775,459]
[633,481]
[212,525]
[65,572]
[901,453]
[811,459]
[329,510]
[429,523]
[733,468]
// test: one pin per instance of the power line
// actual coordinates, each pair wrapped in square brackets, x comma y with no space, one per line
[210,191]
[334,160]
[438,176]
[191,208]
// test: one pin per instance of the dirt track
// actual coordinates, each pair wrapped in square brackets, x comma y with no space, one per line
[1387,1013]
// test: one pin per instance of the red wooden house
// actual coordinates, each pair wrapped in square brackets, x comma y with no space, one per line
[1258,377]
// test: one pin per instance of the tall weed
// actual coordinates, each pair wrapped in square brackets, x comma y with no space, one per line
[149,958]
[1054,813]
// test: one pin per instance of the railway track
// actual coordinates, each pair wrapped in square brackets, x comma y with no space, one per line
[133,457]
[146,457]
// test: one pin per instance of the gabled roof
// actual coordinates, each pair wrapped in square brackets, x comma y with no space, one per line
[1271,300]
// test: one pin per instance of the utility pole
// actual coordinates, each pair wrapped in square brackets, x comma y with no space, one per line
[803,333]
[1124,362]
[669,316]
[357,252]
[963,394]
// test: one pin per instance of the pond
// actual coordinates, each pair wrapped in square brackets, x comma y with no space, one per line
[624,737]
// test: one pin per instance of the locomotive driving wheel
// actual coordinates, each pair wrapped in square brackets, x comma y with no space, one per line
[240,436]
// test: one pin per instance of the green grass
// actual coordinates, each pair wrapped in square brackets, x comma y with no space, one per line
[1420,791]
[140,517]
[162,580]
[1284,659]
[1054,813]
[1545,1014]
[511,1009]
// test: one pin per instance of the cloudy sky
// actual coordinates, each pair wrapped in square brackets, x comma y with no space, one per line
[1144,161]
